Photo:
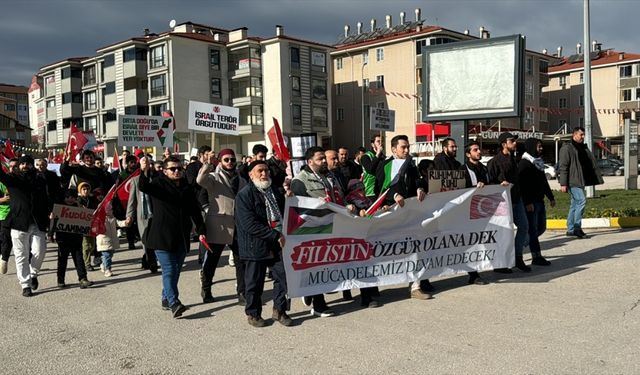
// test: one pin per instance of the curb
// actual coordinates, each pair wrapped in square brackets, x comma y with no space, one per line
[602,222]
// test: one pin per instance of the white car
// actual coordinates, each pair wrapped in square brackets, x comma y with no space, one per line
[549,172]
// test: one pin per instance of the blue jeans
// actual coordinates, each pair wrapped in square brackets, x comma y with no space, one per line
[537,225]
[576,209]
[107,258]
[171,264]
[520,220]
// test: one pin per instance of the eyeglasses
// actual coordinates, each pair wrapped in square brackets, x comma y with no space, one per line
[174,169]
[229,160]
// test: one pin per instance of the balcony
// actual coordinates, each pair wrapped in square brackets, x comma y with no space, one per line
[71,84]
[51,113]
[544,79]
[135,97]
[135,68]
[634,104]
[72,110]
[626,83]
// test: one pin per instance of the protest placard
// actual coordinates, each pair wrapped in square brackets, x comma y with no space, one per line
[72,219]
[383,119]
[145,131]
[213,118]
[444,180]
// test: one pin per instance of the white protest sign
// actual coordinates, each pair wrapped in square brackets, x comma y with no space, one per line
[452,232]
[383,119]
[145,131]
[213,118]
[72,219]
[299,145]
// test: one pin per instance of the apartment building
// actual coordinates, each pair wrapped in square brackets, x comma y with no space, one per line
[148,75]
[14,114]
[382,67]
[615,90]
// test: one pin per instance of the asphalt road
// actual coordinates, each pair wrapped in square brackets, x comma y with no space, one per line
[578,316]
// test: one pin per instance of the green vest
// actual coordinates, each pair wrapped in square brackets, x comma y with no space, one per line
[368,179]
[4,207]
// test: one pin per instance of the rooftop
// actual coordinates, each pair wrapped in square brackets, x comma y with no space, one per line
[598,58]
[13,89]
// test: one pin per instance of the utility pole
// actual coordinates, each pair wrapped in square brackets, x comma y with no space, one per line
[588,136]
[364,90]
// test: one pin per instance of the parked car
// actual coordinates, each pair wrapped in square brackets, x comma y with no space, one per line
[610,167]
[550,172]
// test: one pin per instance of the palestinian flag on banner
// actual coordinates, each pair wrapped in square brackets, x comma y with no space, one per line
[303,220]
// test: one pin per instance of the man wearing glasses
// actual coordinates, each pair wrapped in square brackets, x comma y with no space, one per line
[222,184]
[174,208]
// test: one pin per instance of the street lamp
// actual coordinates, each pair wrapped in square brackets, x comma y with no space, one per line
[362,107]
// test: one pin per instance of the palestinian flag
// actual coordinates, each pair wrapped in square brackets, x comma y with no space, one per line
[309,221]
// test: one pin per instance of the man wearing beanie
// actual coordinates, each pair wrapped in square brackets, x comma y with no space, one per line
[30,207]
[222,184]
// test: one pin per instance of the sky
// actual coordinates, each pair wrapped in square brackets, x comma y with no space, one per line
[34,33]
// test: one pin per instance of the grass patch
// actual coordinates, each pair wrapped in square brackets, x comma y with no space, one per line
[606,203]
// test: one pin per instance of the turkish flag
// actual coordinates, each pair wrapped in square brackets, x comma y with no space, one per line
[100,215]
[277,142]
[116,160]
[76,142]
[483,206]
[8,149]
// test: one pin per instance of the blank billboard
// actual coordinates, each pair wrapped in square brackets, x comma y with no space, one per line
[473,79]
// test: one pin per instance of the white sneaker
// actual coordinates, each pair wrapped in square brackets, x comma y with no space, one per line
[102,267]
[232,262]
[3,267]
[108,273]
[324,313]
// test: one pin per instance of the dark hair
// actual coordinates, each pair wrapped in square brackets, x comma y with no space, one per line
[373,137]
[193,158]
[467,147]
[127,151]
[98,158]
[203,149]
[71,193]
[343,147]
[401,137]
[260,148]
[14,159]
[130,158]
[308,155]
[362,149]
[88,152]
[171,159]
[445,142]
[578,129]
[425,165]
[157,162]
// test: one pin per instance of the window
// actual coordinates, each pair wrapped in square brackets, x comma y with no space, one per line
[340,114]
[90,102]
[9,107]
[295,57]
[319,118]
[214,59]
[216,90]
[582,77]
[66,122]
[69,97]
[419,44]
[625,71]
[365,83]
[318,61]
[136,110]
[379,54]
[157,57]
[528,90]
[529,65]
[52,125]
[69,72]
[582,122]
[339,63]
[380,105]
[295,86]
[158,86]
[379,82]
[296,112]
[638,93]
[156,110]
[543,66]
[132,54]
[109,116]
[89,75]
[365,57]
[528,118]
[562,103]
[319,88]
[109,60]
[563,80]
[51,103]
[581,100]
[91,123]
[626,95]
[339,88]
[109,88]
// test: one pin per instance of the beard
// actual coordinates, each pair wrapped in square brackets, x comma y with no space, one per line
[264,185]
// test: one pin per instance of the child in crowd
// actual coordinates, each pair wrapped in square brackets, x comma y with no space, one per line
[86,200]
[70,243]
[109,242]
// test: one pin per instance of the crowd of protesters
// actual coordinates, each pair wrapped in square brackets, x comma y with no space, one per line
[225,202]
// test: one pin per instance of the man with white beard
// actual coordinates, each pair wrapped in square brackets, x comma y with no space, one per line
[258,219]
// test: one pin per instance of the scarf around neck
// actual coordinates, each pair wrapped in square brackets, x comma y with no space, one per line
[538,162]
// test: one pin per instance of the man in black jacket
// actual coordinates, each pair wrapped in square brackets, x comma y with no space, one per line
[258,218]
[174,208]
[73,174]
[53,181]
[446,160]
[30,207]
[503,170]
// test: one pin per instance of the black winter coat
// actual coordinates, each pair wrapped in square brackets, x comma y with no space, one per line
[174,208]
[444,162]
[29,201]
[533,183]
[256,239]
[504,168]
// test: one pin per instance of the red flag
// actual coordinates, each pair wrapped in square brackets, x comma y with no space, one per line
[76,142]
[277,142]
[4,162]
[116,159]
[205,244]
[483,206]
[100,214]
[8,149]
[377,204]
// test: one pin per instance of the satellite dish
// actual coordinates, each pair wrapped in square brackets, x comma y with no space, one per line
[172,24]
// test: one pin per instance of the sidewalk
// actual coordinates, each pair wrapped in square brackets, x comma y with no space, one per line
[578,316]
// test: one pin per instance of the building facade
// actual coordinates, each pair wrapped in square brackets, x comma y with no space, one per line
[14,114]
[264,77]
[382,67]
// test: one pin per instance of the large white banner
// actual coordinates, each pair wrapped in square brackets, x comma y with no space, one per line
[145,131]
[213,118]
[327,249]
